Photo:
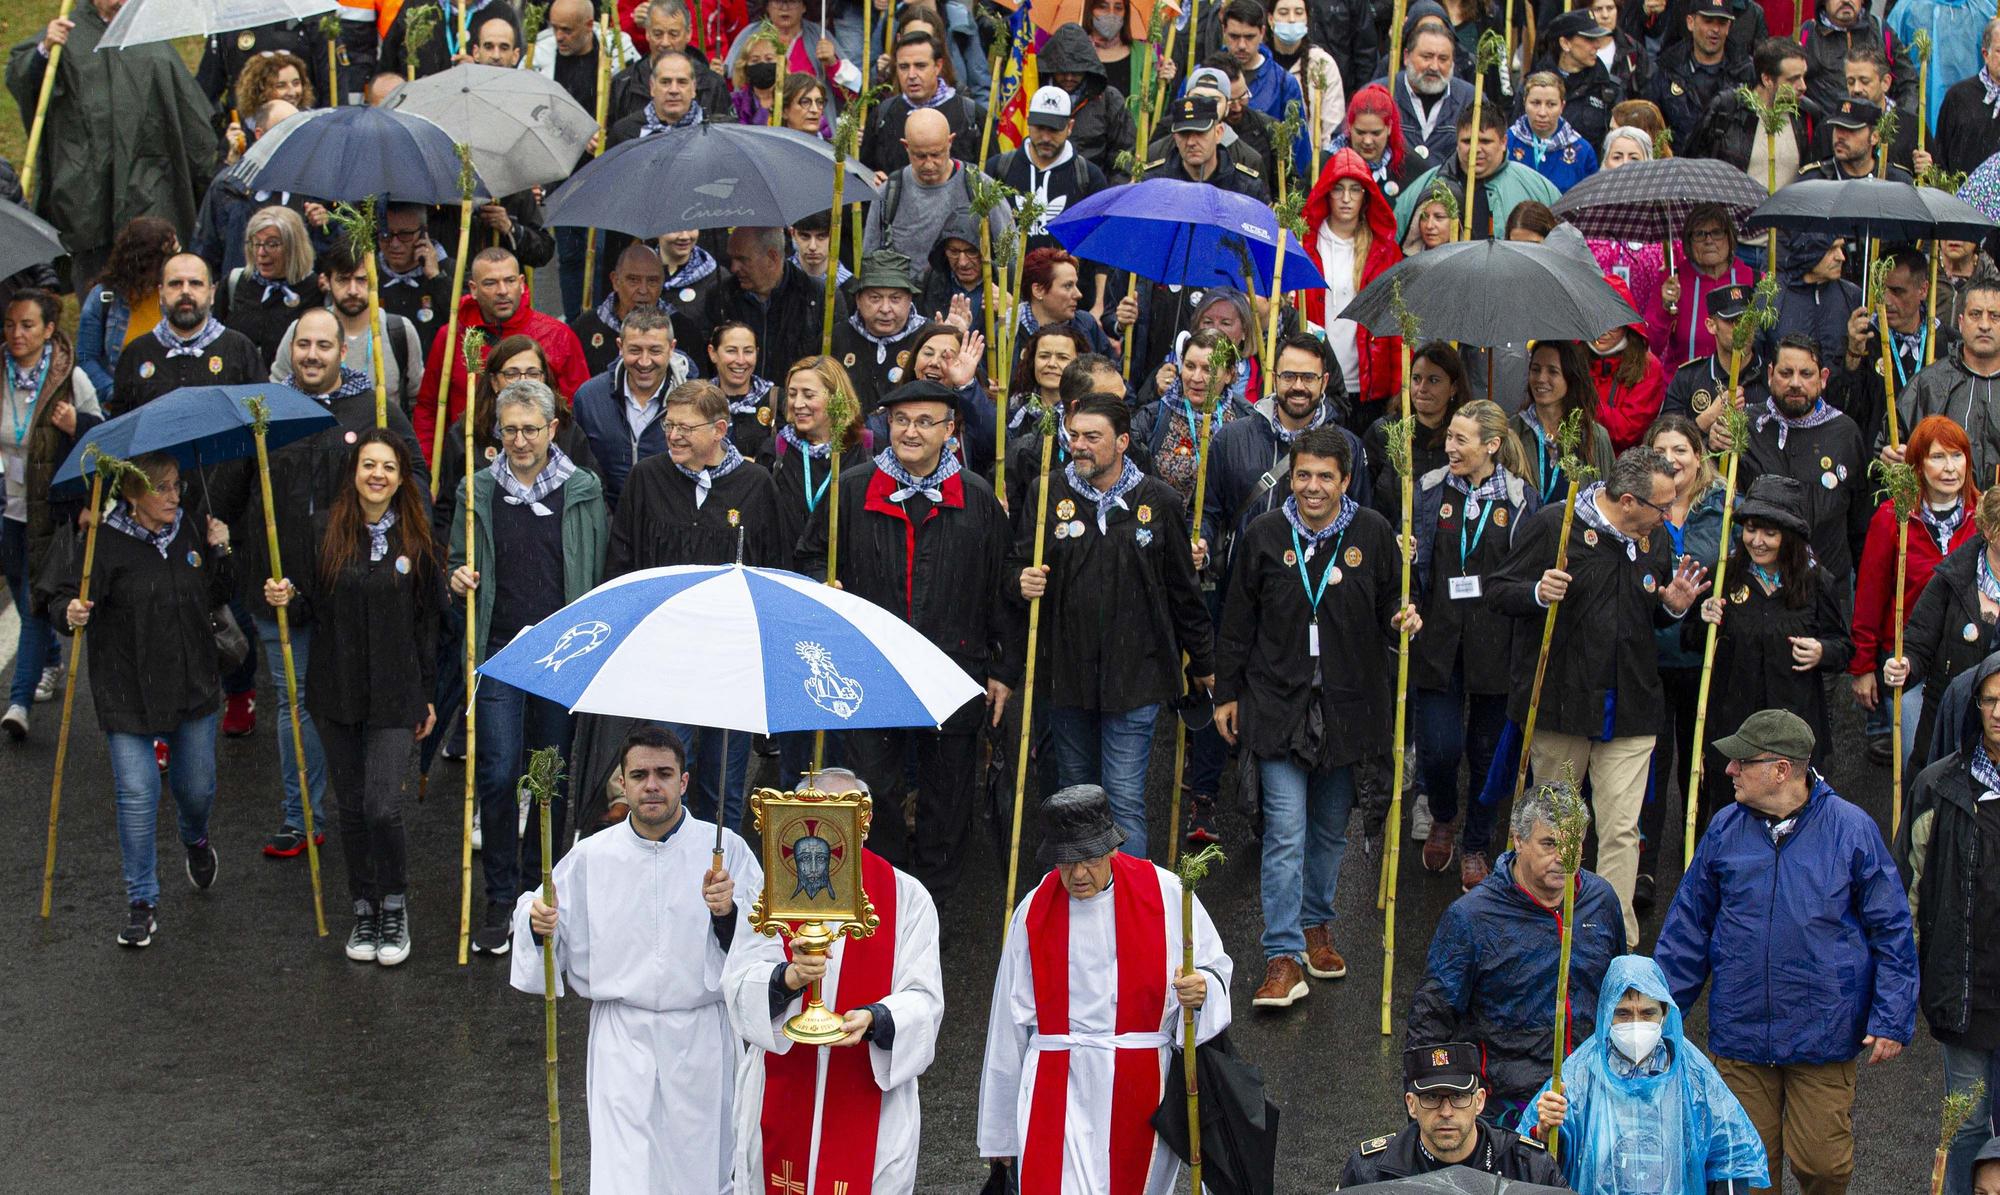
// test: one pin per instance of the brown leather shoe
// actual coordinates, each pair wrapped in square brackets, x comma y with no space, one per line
[1438,847]
[1472,870]
[1284,983]
[1322,960]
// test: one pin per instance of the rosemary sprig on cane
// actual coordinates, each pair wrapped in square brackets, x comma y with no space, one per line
[1572,820]
[418,25]
[1193,870]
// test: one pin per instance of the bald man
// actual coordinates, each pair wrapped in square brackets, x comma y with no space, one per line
[921,197]
[636,279]
[188,347]
[566,50]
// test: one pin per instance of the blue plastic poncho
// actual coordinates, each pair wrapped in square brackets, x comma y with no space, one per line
[1955,27]
[1670,1133]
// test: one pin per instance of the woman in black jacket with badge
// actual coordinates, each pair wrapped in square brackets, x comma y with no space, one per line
[1312,613]
[1467,512]
[1952,627]
[1782,631]
[373,598]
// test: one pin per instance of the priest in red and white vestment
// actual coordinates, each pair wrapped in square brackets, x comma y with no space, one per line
[839,1119]
[1087,999]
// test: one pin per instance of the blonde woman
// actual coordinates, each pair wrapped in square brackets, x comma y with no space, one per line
[262,297]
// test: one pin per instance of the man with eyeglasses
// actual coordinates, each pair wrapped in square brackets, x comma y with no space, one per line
[1601,701]
[1794,916]
[1444,1096]
[414,284]
[926,540]
[345,282]
[497,303]
[702,502]
[621,411]
[1802,436]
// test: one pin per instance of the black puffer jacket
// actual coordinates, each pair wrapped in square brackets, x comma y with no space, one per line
[1103,128]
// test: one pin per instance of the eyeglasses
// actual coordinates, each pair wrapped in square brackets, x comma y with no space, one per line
[685,431]
[1708,234]
[1666,511]
[1297,378]
[407,234]
[1431,1102]
[1988,704]
[268,245]
[810,101]
[922,423]
[530,374]
[524,433]
[1751,763]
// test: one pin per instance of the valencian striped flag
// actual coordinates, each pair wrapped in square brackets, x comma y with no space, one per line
[1017,82]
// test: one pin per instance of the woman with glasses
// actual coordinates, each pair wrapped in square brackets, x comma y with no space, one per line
[262,298]
[373,594]
[1952,627]
[1782,632]
[805,106]
[157,574]
[516,358]
[1707,263]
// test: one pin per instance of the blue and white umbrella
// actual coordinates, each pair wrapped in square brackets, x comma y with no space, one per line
[736,648]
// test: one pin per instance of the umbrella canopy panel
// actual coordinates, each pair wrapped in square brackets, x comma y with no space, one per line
[1184,234]
[144,21]
[1650,201]
[1490,293]
[355,153]
[200,425]
[523,129]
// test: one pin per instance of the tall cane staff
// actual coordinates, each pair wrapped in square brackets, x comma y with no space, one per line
[1772,119]
[1491,47]
[1193,870]
[1291,202]
[604,32]
[1219,365]
[1900,484]
[1569,436]
[32,155]
[1400,448]
[846,135]
[1920,46]
[841,412]
[1761,312]
[418,25]
[1051,428]
[356,223]
[1957,1108]
[1572,821]
[1506,59]
[1320,84]
[545,773]
[533,17]
[466,182]
[329,32]
[1949,182]
[1400,10]
[986,193]
[260,423]
[474,347]
[97,464]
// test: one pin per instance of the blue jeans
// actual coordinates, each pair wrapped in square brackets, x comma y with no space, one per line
[1447,730]
[1963,1068]
[510,724]
[1111,750]
[706,792]
[1305,835]
[135,779]
[274,655]
[36,648]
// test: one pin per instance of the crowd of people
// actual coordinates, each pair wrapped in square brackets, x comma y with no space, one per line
[1211,534]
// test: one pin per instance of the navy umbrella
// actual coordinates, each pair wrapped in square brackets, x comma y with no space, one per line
[200,425]
[355,153]
[1184,234]
[706,176]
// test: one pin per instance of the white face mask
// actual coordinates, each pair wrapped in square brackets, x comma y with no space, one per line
[1636,1039]
[1289,33]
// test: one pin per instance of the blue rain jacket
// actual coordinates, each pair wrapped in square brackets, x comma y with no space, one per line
[1955,26]
[1808,944]
[1667,1134]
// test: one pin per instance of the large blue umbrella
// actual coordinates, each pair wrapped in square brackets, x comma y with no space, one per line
[354,153]
[1184,234]
[200,425]
[706,176]
[746,649]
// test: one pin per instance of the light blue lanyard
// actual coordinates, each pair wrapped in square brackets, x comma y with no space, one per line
[1465,553]
[1299,553]
[813,496]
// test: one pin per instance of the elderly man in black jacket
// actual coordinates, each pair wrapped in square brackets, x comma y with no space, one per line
[774,297]
[1313,608]
[1601,699]
[928,541]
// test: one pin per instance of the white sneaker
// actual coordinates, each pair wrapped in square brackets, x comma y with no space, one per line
[1420,817]
[478,838]
[392,945]
[50,684]
[15,722]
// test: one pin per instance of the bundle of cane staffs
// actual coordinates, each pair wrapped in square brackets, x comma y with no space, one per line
[1492,48]
[1898,483]
[474,346]
[841,412]
[355,223]
[1572,820]
[1568,438]
[545,774]
[1193,870]
[1952,1116]
[1219,364]
[846,136]
[1761,313]
[1010,258]
[1291,203]
[1400,436]
[1051,427]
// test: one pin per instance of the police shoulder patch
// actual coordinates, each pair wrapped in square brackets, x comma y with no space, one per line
[1532,1143]
[1376,1145]
[1244,168]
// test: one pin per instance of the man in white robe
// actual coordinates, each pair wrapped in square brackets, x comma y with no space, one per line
[813,1120]
[1076,1054]
[642,927]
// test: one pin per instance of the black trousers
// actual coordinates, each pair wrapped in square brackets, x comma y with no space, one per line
[368,766]
[945,763]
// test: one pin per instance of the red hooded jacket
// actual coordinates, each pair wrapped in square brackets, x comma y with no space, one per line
[1627,411]
[1381,367]
[564,350]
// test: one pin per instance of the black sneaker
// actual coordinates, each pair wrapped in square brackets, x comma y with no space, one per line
[201,865]
[1643,892]
[394,945]
[1878,750]
[139,926]
[1201,820]
[362,943]
[495,935]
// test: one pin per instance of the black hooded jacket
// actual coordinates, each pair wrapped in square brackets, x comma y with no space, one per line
[1103,128]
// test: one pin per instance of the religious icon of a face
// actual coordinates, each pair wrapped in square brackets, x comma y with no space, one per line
[813,857]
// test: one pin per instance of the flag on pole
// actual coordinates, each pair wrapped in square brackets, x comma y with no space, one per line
[1017,78]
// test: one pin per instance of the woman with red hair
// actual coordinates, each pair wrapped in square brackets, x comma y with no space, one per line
[1375,132]
[1052,285]
[1939,450]
[1351,237]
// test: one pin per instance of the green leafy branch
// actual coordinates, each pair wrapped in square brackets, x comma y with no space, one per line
[847,132]
[841,412]
[1774,116]
[1290,212]
[123,478]
[1958,1106]
[1492,48]
[260,413]
[1920,46]
[1886,125]
[418,26]
[1735,428]
[1898,483]
[1283,135]
[355,223]
[1878,281]
[329,26]
[468,178]
[533,18]
[1663,144]
[1194,865]
[545,773]
[1939,179]
[473,345]
[1569,815]
[1441,194]
[1569,441]
[1129,164]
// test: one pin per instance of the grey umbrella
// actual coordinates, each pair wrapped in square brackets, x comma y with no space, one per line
[143,21]
[523,129]
[1492,293]
[25,239]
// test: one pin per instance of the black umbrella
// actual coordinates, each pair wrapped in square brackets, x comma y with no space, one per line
[1239,1125]
[1955,219]
[1492,293]
[707,176]
[1848,207]
[1455,1180]
[1650,201]
[25,239]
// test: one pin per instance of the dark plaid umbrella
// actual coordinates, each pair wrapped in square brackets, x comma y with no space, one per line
[1650,201]
[1454,1180]
[1848,207]
[1455,292]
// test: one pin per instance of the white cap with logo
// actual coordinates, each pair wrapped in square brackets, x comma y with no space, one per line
[1049,108]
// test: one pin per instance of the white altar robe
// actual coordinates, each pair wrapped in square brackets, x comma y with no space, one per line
[634,937]
[916,1005]
[1012,1044]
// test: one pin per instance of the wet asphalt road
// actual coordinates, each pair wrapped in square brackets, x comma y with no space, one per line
[242,1054]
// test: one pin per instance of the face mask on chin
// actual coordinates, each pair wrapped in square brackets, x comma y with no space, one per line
[1636,1039]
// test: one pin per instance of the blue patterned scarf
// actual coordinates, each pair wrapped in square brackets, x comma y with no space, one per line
[1128,480]
[191,347]
[931,487]
[547,482]
[120,519]
[705,479]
